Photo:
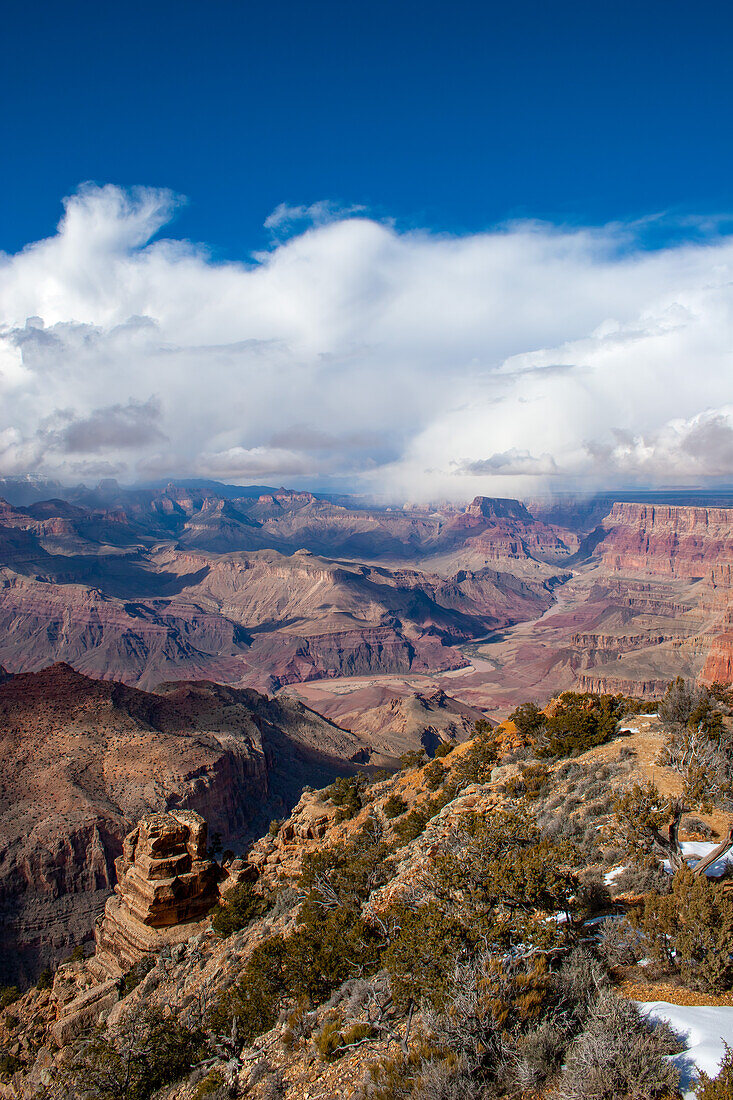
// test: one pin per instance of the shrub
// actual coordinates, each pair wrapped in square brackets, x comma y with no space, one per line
[698,828]
[394,807]
[135,974]
[144,1053]
[334,1040]
[685,705]
[326,949]
[411,826]
[498,870]
[410,760]
[421,957]
[691,930]
[213,1083]
[45,979]
[477,762]
[345,874]
[330,944]
[8,995]
[444,749]
[77,954]
[619,943]
[238,909]
[434,774]
[642,877]
[346,793]
[580,721]
[640,813]
[528,719]
[531,782]
[275,826]
[619,1054]
[721,1086]
[253,1002]
[593,893]
[378,776]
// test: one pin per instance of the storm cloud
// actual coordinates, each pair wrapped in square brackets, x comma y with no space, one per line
[407,364]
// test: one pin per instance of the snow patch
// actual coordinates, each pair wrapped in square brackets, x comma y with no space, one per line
[704,1029]
[696,850]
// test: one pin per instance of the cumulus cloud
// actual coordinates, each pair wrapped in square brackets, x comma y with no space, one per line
[411,364]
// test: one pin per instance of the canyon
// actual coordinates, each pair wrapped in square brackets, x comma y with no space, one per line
[280,589]
[83,759]
[182,649]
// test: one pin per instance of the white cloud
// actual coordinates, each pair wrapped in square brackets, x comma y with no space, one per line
[415,365]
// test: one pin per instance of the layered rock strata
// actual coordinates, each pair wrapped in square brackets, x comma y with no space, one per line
[165,883]
[166,886]
[84,759]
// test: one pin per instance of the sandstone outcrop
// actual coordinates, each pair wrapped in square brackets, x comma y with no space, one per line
[84,759]
[165,884]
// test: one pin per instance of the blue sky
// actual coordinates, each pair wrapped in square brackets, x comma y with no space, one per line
[421,251]
[451,116]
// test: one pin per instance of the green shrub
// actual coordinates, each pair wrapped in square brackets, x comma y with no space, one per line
[409,760]
[421,957]
[378,776]
[253,1002]
[434,774]
[477,762]
[45,979]
[275,826]
[146,1052]
[333,1041]
[528,719]
[413,824]
[346,793]
[640,812]
[8,994]
[532,782]
[501,875]
[346,873]
[721,1086]
[690,930]
[444,749]
[394,807]
[211,1084]
[238,909]
[580,721]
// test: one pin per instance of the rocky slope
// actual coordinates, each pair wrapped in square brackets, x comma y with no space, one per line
[189,971]
[393,718]
[83,759]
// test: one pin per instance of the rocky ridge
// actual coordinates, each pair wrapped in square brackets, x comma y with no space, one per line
[84,759]
[201,968]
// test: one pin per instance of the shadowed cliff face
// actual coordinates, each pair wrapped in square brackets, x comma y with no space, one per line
[84,759]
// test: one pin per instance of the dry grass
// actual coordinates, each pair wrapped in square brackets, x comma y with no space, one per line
[673,994]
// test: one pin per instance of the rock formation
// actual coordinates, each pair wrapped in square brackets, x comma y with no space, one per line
[84,759]
[165,883]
